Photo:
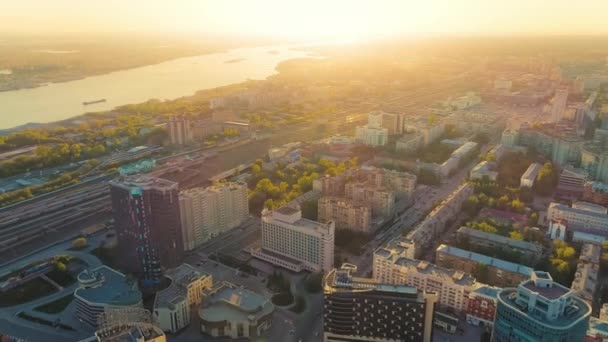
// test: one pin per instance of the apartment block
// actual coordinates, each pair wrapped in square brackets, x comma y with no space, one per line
[209,212]
[392,266]
[437,220]
[500,273]
[481,306]
[529,250]
[380,199]
[180,132]
[345,213]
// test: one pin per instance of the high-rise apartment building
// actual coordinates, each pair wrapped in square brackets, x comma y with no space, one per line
[345,213]
[371,136]
[208,212]
[180,132]
[559,104]
[148,227]
[542,310]
[295,243]
[360,309]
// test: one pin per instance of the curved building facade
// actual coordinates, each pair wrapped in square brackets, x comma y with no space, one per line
[540,310]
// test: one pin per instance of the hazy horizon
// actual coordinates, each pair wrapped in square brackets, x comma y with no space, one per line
[305,20]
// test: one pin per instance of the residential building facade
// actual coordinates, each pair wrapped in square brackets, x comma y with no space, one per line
[208,212]
[180,131]
[498,272]
[345,214]
[392,266]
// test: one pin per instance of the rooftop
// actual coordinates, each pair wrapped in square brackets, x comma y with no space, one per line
[112,288]
[531,172]
[484,259]
[551,292]
[447,274]
[341,280]
[578,210]
[144,182]
[575,310]
[226,301]
[285,210]
[131,333]
[489,291]
[501,240]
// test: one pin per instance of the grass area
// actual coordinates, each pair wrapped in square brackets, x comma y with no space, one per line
[44,321]
[56,306]
[33,289]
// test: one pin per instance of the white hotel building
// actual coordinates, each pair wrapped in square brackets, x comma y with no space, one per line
[208,212]
[295,243]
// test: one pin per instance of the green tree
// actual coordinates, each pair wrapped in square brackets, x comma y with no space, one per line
[516,235]
[79,243]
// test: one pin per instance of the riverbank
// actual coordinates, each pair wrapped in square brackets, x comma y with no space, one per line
[173,79]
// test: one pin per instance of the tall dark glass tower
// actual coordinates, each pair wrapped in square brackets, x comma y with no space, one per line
[147,222]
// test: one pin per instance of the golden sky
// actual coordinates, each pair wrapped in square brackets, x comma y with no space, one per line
[331,19]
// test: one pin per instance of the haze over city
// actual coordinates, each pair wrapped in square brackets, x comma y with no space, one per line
[316,19]
[303,171]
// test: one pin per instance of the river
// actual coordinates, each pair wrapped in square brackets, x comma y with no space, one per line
[167,80]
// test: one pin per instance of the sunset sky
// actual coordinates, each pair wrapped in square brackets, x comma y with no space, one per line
[332,19]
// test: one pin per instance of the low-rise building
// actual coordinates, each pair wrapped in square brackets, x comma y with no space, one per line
[582,216]
[481,306]
[104,288]
[345,213]
[586,278]
[528,250]
[172,305]
[484,171]
[392,266]
[437,220]
[528,178]
[571,184]
[596,192]
[409,142]
[499,273]
[232,311]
